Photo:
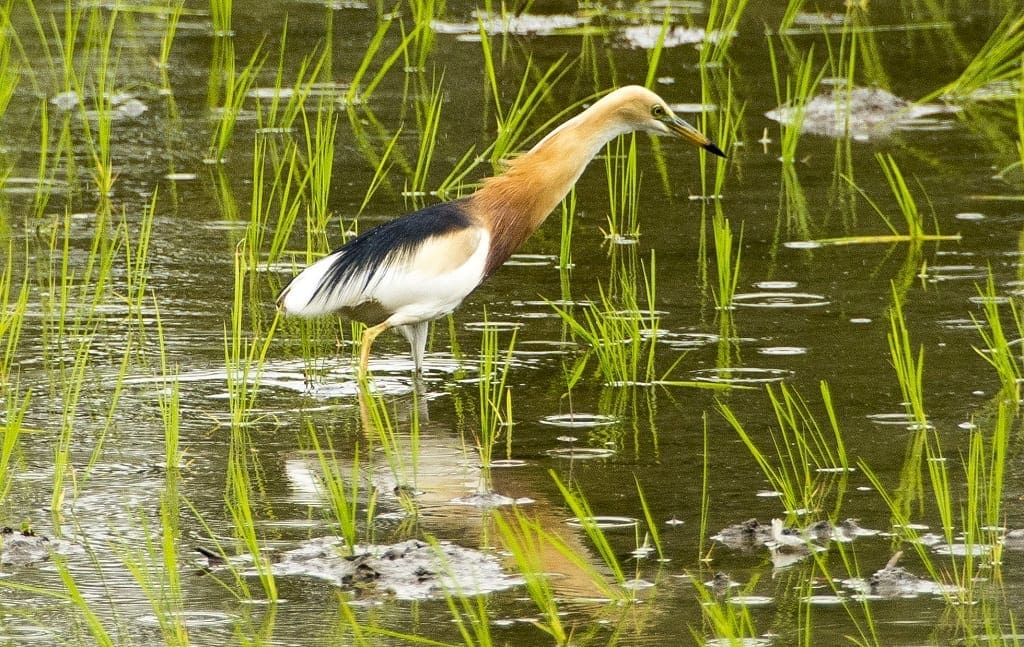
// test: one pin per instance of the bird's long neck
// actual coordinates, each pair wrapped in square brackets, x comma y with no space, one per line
[514,204]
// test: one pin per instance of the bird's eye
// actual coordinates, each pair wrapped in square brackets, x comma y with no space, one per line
[658,111]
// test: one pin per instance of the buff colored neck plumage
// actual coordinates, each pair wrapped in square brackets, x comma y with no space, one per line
[514,204]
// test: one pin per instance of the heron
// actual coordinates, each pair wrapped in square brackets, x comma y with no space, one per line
[407,272]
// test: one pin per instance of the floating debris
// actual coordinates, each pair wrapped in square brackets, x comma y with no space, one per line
[752,534]
[409,570]
[894,581]
[744,536]
[508,23]
[862,114]
[20,548]
[646,36]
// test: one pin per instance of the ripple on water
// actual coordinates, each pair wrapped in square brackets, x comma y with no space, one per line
[748,375]
[904,420]
[532,260]
[687,339]
[580,453]
[604,522]
[579,420]
[505,463]
[775,285]
[823,600]
[937,273]
[779,300]
[480,326]
[782,350]
[750,600]
[190,619]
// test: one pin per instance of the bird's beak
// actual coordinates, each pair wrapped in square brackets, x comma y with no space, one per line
[683,129]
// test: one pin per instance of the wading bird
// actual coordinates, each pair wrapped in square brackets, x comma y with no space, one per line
[419,267]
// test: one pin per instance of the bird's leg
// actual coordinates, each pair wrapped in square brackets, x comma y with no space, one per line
[416,335]
[364,346]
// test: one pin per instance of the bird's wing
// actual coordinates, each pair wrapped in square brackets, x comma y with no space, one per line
[393,265]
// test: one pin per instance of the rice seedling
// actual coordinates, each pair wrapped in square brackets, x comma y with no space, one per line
[153,563]
[136,257]
[402,454]
[584,515]
[320,147]
[703,552]
[976,511]
[238,500]
[512,122]
[620,333]
[722,25]
[997,61]
[77,600]
[220,18]
[798,90]
[907,204]
[807,464]
[860,611]
[428,119]
[72,392]
[731,624]
[909,367]
[495,400]
[565,264]
[12,318]
[357,91]
[285,189]
[727,259]
[996,348]
[652,525]
[344,501]
[522,538]
[236,85]
[167,41]
[424,12]
[15,408]
[623,177]
[280,115]
[654,53]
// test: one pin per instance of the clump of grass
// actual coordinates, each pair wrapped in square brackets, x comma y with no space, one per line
[220,17]
[976,509]
[807,462]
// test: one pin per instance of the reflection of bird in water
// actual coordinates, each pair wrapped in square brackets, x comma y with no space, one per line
[417,268]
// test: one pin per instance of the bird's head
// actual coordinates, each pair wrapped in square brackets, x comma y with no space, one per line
[640,109]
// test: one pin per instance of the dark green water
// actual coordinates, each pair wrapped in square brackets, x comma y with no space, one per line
[829,324]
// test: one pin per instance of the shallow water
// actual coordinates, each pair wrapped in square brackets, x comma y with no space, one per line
[804,313]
